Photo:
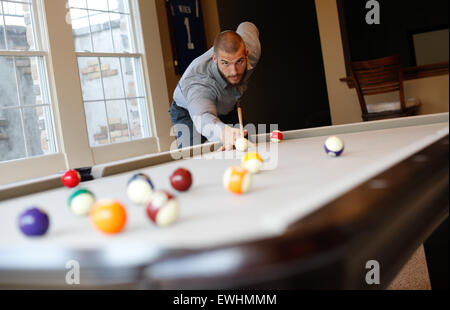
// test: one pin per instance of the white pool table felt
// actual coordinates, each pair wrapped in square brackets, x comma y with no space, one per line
[303,181]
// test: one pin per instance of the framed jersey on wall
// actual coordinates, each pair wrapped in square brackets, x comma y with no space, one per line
[187,32]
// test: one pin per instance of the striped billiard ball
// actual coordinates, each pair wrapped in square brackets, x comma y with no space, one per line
[276,137]
[334,146]
[163,209]
[237,180]
[253,162]
[139,189]
[81,202]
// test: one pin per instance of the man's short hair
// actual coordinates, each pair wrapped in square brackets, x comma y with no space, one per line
[228,41]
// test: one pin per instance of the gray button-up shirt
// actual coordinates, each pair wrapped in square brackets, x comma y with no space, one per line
[206,94]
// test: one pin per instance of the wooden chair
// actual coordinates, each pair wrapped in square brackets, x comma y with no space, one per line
[378,76]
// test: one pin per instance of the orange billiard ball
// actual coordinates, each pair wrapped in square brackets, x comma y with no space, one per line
[108,216]
[237,180]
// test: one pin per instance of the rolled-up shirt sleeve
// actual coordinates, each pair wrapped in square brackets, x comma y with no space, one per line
[250,34]
[203,111]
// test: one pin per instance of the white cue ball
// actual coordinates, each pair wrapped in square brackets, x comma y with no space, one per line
[242,145]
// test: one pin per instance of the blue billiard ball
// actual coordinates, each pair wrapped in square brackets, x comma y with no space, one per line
[34,222]
[334,146]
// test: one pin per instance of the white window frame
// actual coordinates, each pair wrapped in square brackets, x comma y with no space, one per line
[120,151]
[67,100]
[37,166]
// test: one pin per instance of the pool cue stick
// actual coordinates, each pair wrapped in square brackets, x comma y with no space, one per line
[239,108]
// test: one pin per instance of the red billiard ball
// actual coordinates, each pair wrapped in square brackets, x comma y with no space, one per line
[181,180]
[163,209]
[71,178]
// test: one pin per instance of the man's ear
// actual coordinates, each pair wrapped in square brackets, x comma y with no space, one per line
[214,58]
[247,53]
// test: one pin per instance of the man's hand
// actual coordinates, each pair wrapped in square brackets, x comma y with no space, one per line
[229,136]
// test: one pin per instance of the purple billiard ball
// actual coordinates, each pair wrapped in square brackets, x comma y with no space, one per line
[34,222]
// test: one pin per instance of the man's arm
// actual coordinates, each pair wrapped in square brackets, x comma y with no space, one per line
[203,111]
[250,34]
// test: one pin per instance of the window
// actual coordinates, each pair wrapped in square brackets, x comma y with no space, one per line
[26,117]
[110,70]
[75,106]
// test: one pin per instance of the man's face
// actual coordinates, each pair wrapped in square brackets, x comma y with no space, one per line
[232,66]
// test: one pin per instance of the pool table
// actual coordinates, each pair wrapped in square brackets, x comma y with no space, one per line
[309,221]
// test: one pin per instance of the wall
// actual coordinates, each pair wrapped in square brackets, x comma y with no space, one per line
[343,101]
[344,105]
[212,29]
[288,86]
[438,40]
[398,20]
[432,92]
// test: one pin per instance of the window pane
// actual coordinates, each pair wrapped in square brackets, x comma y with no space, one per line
[28,74]
[121,33]
[118,121]
[19,26]
[104,24]
[12,143]
[113,87]
[119,6]
[78,4]
[37,125]
[101,32]
[97,123]
[101,5]
[81,30]
[137,111]
[133,77]
[26,120]
[112,78]
[2,30]
[91,82]
[8,86]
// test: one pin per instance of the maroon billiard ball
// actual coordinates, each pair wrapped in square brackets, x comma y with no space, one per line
[71,178]
[181,180]
[163,208]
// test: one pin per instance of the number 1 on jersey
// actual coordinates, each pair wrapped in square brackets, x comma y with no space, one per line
[188,29]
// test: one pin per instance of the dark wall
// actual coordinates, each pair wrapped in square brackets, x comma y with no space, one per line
[399,18]
[288,87]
